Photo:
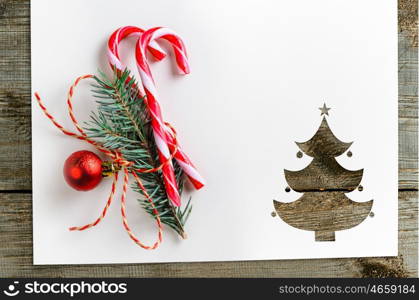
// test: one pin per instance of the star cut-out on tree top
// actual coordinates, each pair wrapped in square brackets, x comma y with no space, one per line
[324,110]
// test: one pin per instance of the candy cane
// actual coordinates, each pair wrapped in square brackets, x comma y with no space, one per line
[162,135]
[122,33]
[114,60]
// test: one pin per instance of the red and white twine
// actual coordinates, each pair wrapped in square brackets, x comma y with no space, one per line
[117,158]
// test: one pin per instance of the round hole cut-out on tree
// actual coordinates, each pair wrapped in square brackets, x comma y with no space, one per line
[323,208]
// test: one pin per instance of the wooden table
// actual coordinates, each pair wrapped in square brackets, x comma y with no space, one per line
[15,176]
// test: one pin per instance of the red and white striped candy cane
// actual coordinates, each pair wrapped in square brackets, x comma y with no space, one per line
[162,134]
[122,33]
[154,48]
[159,54]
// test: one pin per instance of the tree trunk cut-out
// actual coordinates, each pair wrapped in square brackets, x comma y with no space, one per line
[324,236]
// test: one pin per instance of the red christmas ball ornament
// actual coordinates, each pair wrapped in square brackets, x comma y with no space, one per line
[83,170]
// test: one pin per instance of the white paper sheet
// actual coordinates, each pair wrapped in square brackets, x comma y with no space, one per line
[260,70]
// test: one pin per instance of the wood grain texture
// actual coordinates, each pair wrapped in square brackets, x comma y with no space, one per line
[15,176]
[15,90]
[323,212]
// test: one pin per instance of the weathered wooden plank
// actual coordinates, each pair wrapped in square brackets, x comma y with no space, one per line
[408,93]
[408,109]
[15,138]
[16,254]
[15,134]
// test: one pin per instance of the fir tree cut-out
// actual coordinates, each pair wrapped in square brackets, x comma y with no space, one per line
[323,208]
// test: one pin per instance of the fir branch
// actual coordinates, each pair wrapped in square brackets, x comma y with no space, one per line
[122,123]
